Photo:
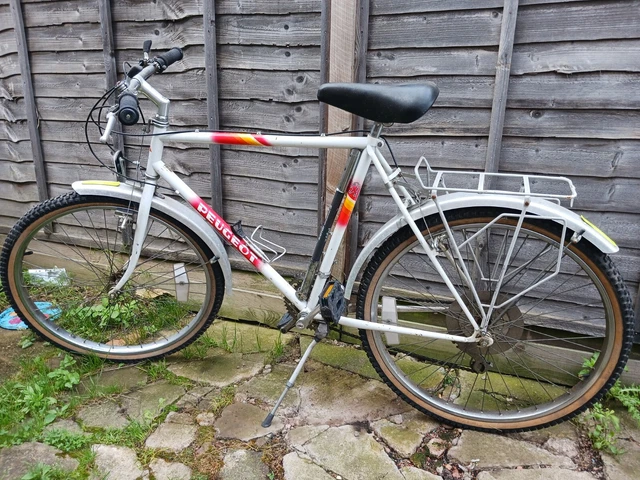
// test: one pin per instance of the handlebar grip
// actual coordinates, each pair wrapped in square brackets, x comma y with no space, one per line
[168,58]
[128,112]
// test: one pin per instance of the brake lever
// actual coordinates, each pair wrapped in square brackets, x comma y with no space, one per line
[111,121]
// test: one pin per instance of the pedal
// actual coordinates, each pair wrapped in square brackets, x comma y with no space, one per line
[286,323]
[332,302]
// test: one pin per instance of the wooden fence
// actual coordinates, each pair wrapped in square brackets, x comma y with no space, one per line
[538,86]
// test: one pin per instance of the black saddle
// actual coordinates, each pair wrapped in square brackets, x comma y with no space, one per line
[381,103]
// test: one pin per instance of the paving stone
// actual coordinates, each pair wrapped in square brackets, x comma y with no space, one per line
[16,461]
[297,437]
[243,422]
[172,436]
[413,473]
[220,370]
[65,424]
[242,465]
[563,430]
[535,474]
[148,402]
[360,457]
[125,378]
[182,418]
[562,446]
[115,463]
[495,451]
[624,466]
[206,419]
[296,468]
[163,470]
[106,414]
[335,397]
[406,437]
[268,388]
[341,356]
[192,398]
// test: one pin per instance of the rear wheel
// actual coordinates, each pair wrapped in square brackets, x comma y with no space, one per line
[63,257]
[559,340]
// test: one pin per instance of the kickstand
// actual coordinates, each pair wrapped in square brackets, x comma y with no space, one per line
[267,421]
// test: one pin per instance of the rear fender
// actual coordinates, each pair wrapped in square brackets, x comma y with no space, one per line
[456,201]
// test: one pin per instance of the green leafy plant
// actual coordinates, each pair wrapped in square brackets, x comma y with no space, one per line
[65,440]
[28,339]
[602,423]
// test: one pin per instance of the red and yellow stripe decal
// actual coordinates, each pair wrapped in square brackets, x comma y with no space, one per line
[348,204]
[224,138]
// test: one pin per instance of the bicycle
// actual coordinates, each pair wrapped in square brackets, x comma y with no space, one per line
[484,302]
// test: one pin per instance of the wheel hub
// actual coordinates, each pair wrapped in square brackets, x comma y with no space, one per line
[505,327]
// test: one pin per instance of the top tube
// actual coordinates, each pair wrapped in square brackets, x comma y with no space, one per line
[259,140]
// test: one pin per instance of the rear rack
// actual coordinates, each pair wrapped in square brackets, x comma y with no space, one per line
[555,189]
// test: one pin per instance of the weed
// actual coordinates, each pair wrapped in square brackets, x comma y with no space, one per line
[65,440]
[28,339]
[45,472]
[4,302]
[601,423]
[277,351]
[224,399]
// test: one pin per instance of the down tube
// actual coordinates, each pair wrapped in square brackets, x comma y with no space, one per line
[225,230]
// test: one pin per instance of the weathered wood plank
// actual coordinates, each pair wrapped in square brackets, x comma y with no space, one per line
[501,90]
[553,156]
[573,57]
[16,152]
[255,57]
[274,167]
[132,10]
[15,210]
[386,7]
[55,62]
[60,12]
[441,29]
[21,192]
[30,103]
[271,192]
[614,124]
[577,21]
[274,218]
[548,23]
[17,172]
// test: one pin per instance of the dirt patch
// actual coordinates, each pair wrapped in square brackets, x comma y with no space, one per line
[10,351]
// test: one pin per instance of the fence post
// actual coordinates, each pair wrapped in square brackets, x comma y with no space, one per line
[29,100]
[211,66]
[503,70]
[342,39]
[109,53]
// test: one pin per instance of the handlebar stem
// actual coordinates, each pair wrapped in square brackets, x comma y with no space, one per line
[139,84]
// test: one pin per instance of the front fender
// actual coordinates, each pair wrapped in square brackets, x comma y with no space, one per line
[174,209]
[456,201]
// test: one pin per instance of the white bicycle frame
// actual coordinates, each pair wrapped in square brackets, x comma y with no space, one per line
[370,153]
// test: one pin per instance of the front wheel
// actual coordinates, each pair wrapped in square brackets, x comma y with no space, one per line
[62,258]
[561,327]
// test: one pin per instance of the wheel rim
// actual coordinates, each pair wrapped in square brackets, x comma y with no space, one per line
[452,384]
[167,297]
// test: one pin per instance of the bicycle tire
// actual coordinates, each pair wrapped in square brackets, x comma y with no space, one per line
[169,301]
[538,372]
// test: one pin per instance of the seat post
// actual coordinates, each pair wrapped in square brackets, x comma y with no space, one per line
[376,130]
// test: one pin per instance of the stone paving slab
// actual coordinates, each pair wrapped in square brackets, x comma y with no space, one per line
[105,414]
[535,474]
[335,397]
[268,387]
[296,468]
[413,473]
[406,433]
[495,451]
[16,461]
[297,437]
[625,466]
[353,454]
[243,465]
[148,402]
[163,470]
[243,422]
[172,436]
[115,463]
[340,356]
[219,370]
[126,378]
